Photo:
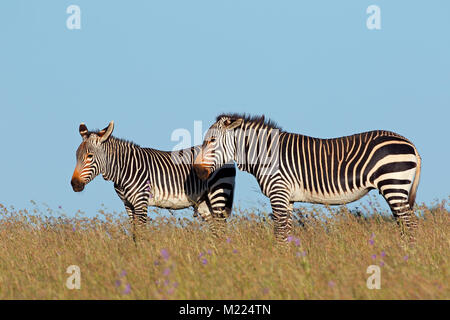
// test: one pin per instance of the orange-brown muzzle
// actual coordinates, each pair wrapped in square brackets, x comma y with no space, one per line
[201,171]
[76,182]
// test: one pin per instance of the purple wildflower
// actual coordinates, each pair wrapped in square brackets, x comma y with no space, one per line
[235,251]
[265,290]
[123,273]
[127,289]
[290,238]
[209,252]
[175,284]
[371,242]
[228,240]
[374,256]
[118,283]
[381,263]
[170,291]
[204,261]
[200,255]
[166,271]
[406,258]
[165,254]
[331,283]
[383,254]
[297,242]
[73,229]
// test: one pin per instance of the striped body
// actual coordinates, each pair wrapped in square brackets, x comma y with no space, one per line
[148,177]
[292,168]
[342,170]
[167,180]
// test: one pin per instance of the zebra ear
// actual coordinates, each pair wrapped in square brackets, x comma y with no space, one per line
[106,133]
[83,131]
[232,123]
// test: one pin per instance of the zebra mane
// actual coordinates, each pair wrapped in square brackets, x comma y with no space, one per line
[249,118]
[119,140]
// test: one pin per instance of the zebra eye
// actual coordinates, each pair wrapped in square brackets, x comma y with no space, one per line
[212,140]
[90,156]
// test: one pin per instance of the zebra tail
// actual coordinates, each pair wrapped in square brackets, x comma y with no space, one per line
[412,193]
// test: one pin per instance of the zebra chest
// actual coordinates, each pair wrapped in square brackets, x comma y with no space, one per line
[301,195]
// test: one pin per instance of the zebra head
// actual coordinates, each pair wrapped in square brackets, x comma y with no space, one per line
[219,146]
[91,156]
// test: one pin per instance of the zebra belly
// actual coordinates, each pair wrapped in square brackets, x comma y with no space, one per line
[340,198]
[170,202]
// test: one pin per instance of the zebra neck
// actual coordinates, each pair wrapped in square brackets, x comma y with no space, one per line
[118,155]
[257,150]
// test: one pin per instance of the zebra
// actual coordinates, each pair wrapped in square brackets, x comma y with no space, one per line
[148,177]
[291,167]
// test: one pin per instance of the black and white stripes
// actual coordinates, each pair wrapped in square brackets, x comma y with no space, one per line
[147,177]
[295,167]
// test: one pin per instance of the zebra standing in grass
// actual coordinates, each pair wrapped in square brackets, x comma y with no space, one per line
[147,177]
[291,167]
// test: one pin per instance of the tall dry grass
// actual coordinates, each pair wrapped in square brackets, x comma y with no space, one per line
[177,258]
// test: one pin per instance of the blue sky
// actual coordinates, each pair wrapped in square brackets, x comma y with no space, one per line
[157,66]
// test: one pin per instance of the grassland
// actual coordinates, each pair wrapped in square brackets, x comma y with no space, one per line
[176,258]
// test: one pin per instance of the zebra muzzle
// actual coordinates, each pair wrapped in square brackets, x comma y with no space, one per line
[202,172]
[77,185]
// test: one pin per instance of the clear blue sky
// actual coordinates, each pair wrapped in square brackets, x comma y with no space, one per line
[156,66]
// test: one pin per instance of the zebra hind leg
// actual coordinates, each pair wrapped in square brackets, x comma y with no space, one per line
[404,215]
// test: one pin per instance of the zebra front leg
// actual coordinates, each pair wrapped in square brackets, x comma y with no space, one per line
[128,207]
[139,221]
[281,215]
[219,221]
[289,218]
[209,216]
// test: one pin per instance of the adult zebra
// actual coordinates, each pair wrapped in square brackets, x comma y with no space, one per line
[291,167]
[148,177]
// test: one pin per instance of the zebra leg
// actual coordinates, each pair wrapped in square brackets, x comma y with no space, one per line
[136,210]
[128,207]
[219,221]
[404,215]
[205,211]
[140,218]
[289,218]
[219,201]
[281,215]
[221,210]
